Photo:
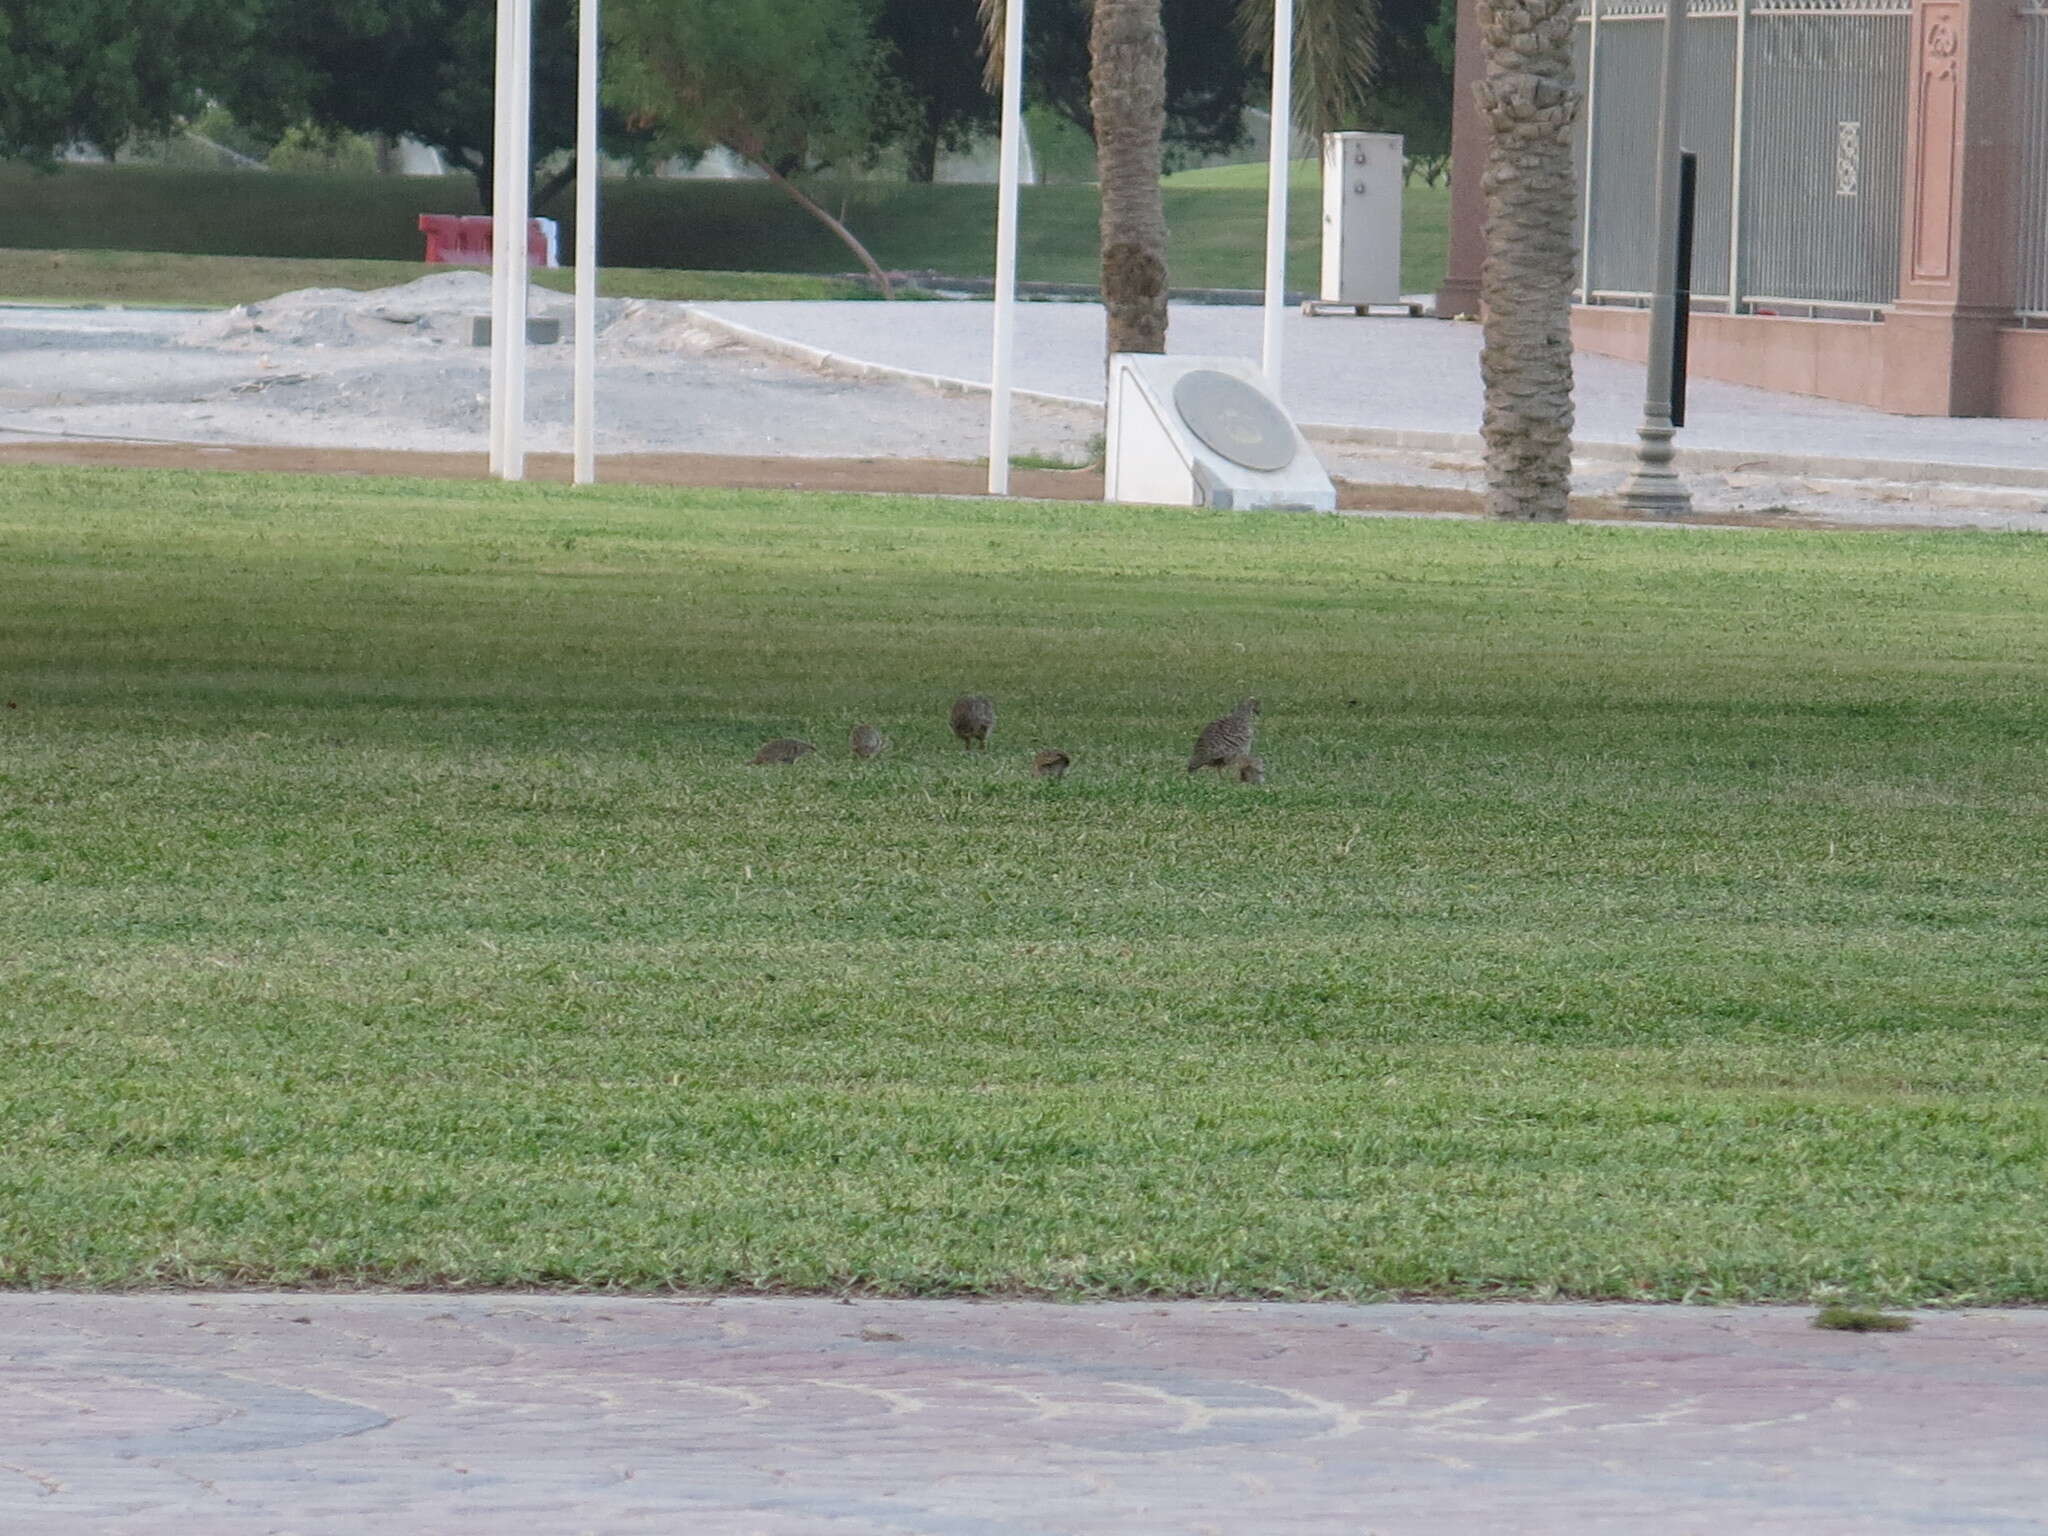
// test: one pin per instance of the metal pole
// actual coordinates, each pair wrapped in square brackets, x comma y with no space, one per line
[589,171]
[1592,121]
[1681,307]
[1655,487]
[1737,276]
[501,154]
[520,175]
[1279,160]
[1006,250]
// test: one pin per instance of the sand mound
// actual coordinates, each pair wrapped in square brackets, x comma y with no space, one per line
[432,310]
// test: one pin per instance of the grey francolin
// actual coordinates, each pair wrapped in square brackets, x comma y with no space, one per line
[1231,736]
[973,717]
[1249,770]
[784,749]
[1050,764]
[866,741]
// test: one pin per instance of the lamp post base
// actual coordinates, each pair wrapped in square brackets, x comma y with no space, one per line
[1655,488]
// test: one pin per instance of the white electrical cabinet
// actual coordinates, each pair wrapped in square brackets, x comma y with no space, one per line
[1361,221]
[1206,432]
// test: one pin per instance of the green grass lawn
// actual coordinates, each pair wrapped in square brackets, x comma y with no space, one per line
[1218,227]
[1304,177]
[163,278]
[1628,914]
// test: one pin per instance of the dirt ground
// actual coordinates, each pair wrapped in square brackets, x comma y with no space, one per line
[740,472]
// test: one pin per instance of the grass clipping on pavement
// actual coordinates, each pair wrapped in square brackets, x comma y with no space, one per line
[1630,913]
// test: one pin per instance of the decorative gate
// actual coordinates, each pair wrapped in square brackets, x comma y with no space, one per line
[1797,111]
[2031,210]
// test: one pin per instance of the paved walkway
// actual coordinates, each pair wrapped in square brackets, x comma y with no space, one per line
[319,1415]
[1395,375]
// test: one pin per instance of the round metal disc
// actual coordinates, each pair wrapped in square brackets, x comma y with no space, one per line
[1234,419]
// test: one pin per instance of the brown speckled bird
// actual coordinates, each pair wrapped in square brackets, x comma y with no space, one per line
[1249,770]
[866,741]
[1050,764]
[784,749]
[1227,738]
[973,717]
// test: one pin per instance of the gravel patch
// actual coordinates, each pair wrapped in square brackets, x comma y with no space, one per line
[394,368]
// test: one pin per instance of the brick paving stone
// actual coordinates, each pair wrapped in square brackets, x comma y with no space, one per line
[317,1415]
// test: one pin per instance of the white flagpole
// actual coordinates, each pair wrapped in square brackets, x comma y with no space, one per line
[1006,249]
[501,154]
[1278,164]
[520,174]
[589,169]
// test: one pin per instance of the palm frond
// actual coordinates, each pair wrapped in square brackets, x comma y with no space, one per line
[1336,54]
[993,14]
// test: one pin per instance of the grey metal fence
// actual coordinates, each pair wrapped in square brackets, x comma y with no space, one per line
[1797,111]
[2031,218]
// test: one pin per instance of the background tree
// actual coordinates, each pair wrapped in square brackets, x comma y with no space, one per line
[1208,79]
[1379,66]
[934,54]
[423,69]
[1531,98]
[100,71]
[788,85]
[1411,89]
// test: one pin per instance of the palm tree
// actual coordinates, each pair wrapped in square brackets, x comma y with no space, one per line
[1531,98]
[1334,55]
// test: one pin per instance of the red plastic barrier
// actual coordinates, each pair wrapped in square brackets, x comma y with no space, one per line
[465,239]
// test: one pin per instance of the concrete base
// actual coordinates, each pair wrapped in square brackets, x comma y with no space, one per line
[1155,457]
[1317,309]
[2023,373]
[541,331]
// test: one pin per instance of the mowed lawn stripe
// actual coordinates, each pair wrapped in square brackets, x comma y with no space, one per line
[384,899]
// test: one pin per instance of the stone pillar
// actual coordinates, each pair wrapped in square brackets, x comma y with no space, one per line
[1459,294]
[1956,279]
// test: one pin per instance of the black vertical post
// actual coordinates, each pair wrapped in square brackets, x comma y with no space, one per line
[1681,308]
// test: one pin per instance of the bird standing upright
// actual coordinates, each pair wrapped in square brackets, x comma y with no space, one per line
[1226,738]
[973,717]
[866,741]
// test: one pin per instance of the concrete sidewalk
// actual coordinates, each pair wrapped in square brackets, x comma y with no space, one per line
[1417,379]
[234,1415]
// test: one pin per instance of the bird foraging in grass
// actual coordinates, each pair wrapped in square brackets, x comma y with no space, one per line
[973,717]
[1249,769]
[1226,738]
[1050,764]
[784,749]
[866,741]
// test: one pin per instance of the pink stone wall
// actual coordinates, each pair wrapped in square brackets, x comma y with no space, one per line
[2023,374]
[1835,359]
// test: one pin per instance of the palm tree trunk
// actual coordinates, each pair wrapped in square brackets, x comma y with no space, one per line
[1530,98]
[1127,46]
